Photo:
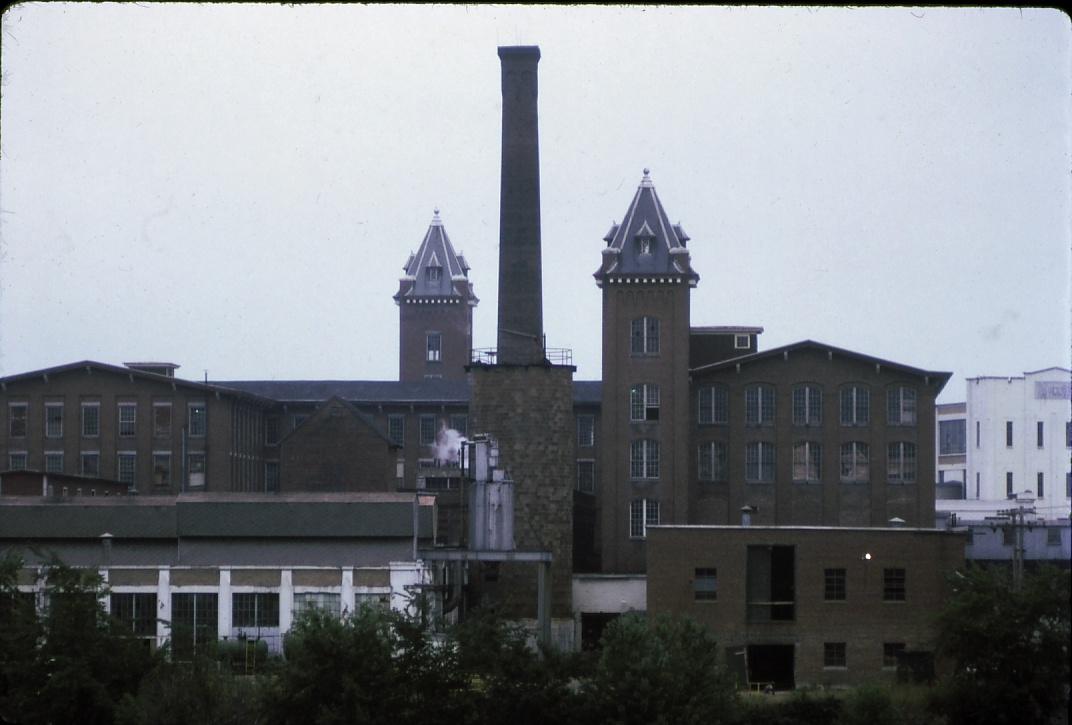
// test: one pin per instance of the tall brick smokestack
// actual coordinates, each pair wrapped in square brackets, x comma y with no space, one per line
[520,331]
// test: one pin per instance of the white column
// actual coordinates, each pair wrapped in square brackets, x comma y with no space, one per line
[347,598]
[223,621]
[286,600]
[104,599]
[163,605]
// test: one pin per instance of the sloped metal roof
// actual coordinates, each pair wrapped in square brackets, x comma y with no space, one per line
[451,275]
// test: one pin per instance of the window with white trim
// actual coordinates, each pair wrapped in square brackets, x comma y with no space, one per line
[901,405]
[128,419]
[90,419]
[711,461]
[16,461]
[855,462]
[644,336]
[807,462]
[807,405]
[855,405]
[197,418]
[742,342]
[255,609]
[53,420]
[759,404]
[586,431]
[126,463]
[18,419]
[53,461]
[901,462]
[433,347]
[644,459]
[713,405]
[759,462]
[433,273]
[644,402]
[643,512]
[327,602]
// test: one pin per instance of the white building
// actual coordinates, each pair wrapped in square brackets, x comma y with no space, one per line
[1016,437]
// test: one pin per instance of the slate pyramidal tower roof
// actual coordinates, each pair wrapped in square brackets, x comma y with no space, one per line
[646,246]
[435,272]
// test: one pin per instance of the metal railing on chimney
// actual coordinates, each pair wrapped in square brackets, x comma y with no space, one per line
[552,356]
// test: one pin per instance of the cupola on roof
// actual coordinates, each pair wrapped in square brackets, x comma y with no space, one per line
[435,270]
[646,243]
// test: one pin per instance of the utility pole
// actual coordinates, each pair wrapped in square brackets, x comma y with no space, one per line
[1018,522]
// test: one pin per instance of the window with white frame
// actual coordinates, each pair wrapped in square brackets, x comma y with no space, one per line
[644,402]
[18,419]
[53,420]
[644,244]
[433,273]
[255,609]
[586,476]
[90,419]
[759,404]
[713,404]
[128,419]
[90,463]
[197,419]
[855,462]
[586,431]
[644,336]
[327,602]
[126,462]
[16,461]
[53,461]
[807,462]
[901,462]
[194,622]
[759,462]
[434,347]
[643,512]
[742,342]
[901,405]
[807,405]
[711,461]
[161,420]
[644,459]
[396,428]
[428,430]
[855,405]
[161,469]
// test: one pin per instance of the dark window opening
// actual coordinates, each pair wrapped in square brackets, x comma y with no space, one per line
[771,583]
[770,664]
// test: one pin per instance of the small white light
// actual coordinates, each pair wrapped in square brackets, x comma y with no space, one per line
[868,556]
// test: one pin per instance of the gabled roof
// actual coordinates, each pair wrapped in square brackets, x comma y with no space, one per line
[335,400]
[942,377]
[91,365]
[646,243]
[436,251]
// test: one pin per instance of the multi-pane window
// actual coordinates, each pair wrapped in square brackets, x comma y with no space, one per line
[195,464]
[271,476]
[460,423]
[1008,434]
[713,405]
[893,585]
[644,458]
[53,462]
[136,612]
[90,420]
[807,462]
[1040,434]
[833,654]
[901,462]
[807,405]
[53,420]
[90,463]
[1040,485]
[952,437]
[162,420]
[328,602]
[434,347]
[396,428]
[194,622]
[128,419]
[586,431]
[428,430]
[255,609]
[855,405]
[644,402]
[901,405]
[834,585]
[161,470]
[711,461]
[705,584]
[586,476]
[433,273]
[643,512]
[890,653]
[16,461]
[759,462]
[759,404]
[644,336]
[18,414]
[125,467]
[1008,483]
[855,462]
[197,417]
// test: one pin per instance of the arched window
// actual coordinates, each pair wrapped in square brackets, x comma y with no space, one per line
[644,402]
[711,461]
[855,462]
[855,405]
[807,405]
[759,404]
[901,462]
[901,405]
[807,462]
[644,336]
[713,405]
[759,462]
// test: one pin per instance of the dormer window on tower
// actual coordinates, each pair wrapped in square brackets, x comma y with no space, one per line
[644,245]
[433,273]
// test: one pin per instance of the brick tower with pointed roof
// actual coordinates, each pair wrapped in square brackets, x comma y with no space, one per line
[436,301]
[646,278]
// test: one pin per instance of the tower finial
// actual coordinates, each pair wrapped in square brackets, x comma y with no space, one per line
[646,181]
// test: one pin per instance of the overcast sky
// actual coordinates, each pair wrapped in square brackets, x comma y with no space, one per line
[236,187]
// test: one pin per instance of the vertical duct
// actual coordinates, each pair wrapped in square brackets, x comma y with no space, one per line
[520,326]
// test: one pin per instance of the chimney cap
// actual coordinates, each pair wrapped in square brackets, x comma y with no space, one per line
[519,50]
